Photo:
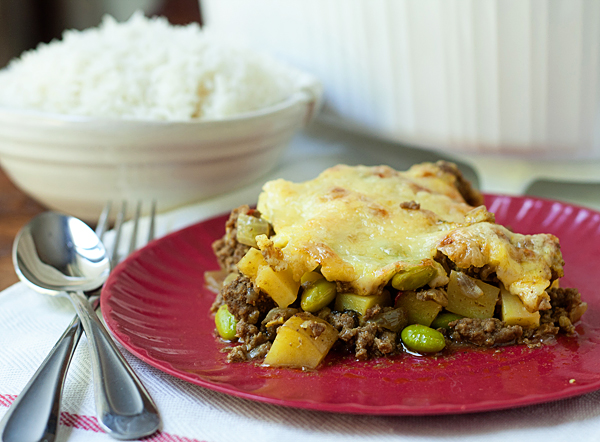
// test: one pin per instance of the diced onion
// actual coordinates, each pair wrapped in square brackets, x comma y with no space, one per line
[467,286]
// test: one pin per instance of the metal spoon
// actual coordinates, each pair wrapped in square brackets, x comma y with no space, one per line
[56,253]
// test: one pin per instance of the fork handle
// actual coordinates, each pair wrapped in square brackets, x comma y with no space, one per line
[34,415]
[124,408]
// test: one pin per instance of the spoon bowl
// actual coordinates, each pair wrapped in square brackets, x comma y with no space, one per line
[56,253]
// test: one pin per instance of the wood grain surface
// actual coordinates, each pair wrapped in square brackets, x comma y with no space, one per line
[16,209]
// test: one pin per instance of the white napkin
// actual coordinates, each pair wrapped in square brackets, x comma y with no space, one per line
[31,323]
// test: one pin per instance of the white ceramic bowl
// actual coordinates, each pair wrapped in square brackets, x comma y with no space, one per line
[76,164]
[519,78]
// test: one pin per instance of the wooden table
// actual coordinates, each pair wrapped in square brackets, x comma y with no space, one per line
[16,209]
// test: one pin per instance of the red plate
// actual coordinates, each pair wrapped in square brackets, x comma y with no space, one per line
[156,306]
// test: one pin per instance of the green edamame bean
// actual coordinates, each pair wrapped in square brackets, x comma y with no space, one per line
[443,319]
[225,323]
[310,277]
[318,295]
[413,278]
[422,339]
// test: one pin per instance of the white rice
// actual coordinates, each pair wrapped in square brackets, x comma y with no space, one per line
[144,69]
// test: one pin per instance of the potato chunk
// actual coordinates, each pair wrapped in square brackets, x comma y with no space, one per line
[360,304]
[480,307]
[280,286]
[250,263]
[302,342]
[418,312]
[515,313]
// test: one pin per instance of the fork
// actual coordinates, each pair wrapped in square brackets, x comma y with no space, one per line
[34,415]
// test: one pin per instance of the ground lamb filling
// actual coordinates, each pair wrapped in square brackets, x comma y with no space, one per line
[377,332]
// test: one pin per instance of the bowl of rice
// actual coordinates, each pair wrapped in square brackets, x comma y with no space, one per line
[145,110]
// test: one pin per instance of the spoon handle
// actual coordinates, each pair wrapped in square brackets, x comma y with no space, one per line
[124,408]
[34,415]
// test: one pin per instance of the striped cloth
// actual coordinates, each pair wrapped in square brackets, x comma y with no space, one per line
[30,324]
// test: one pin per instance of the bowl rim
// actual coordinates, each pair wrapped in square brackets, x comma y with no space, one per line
[309,94]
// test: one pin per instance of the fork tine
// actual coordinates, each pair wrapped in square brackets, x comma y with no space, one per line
[136,221]
[103,221]
[118,228]
[152,228]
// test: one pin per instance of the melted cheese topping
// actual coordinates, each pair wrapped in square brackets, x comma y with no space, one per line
[364,224]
